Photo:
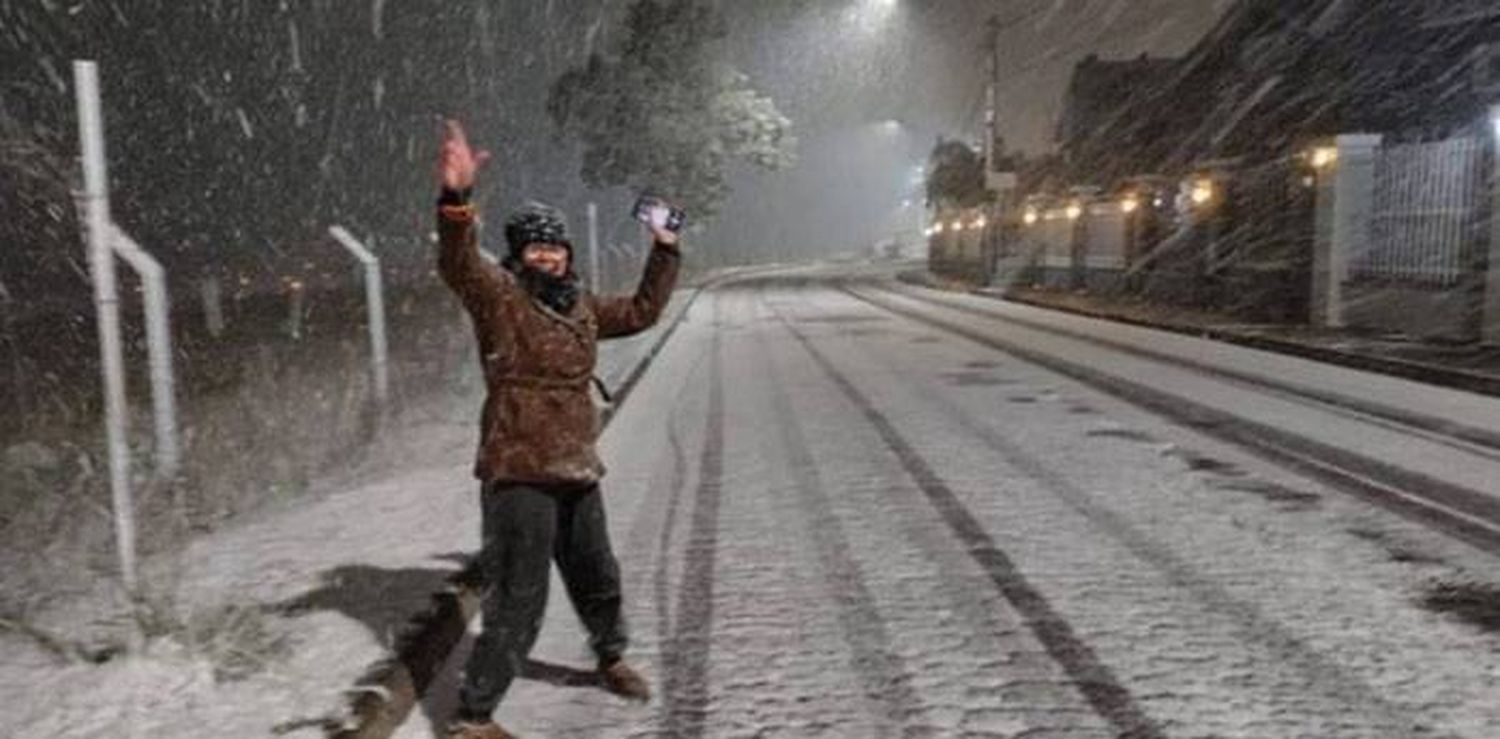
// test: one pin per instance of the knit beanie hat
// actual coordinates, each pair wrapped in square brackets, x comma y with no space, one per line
[537,223]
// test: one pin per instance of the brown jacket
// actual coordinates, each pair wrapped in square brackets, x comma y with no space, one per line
[539,423]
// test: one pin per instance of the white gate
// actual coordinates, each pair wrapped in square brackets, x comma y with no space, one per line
[1105,227]
[1053,236]
[1427,203]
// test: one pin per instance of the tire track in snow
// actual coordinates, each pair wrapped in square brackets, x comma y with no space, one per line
[1251,623]
[1451,508]
[1099,685]
[884,677]
[685,655]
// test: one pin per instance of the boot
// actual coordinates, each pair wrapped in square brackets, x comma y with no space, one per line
[622,680]
[477,730]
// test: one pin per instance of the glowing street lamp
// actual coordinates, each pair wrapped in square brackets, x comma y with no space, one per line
[1203,191]
[1324,157]
[1030,217]
[1130,204]
[937,228]
[1074,211]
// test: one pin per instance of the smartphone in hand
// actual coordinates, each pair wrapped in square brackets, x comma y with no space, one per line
[652,210]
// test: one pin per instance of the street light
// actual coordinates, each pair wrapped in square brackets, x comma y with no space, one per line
[875,11]
[1030,217]
[1324,156]
[1075,211]
[1130,204]
[1203,191]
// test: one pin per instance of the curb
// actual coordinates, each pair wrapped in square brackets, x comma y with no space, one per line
[1430,374]
[384,696]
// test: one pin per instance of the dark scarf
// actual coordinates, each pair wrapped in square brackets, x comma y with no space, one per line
[558,293]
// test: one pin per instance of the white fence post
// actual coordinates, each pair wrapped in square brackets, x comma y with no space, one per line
[375,302]
[295,308]
[593,258]
[107,306]
[18,389]
[375,297]
[1489,330]
[212,294]
[1345,210]
[159,349]
[607,261]
[622,265]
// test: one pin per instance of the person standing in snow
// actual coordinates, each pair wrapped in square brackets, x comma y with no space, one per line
[537,333]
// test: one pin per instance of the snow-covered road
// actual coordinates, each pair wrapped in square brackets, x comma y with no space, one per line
[837,520]
[1427,445]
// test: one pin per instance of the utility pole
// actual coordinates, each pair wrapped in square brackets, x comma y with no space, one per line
[997,26]
[992,181]
[991,93]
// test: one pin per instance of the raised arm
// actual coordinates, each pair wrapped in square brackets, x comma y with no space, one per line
[476,281]
[628,314]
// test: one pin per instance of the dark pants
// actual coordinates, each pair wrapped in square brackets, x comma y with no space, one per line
[526,527]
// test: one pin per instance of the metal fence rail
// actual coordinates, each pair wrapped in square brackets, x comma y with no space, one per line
[1427,199]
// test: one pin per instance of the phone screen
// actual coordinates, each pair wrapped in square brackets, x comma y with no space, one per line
[657,212]
[656,215]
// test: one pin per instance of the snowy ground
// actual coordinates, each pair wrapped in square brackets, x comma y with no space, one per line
[837,521]
[335,577]
[834,521]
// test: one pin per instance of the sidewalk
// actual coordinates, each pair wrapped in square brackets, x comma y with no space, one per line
[282,612]
[1474,368]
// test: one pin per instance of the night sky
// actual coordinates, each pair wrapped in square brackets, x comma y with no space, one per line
[841,70]
[238,132]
